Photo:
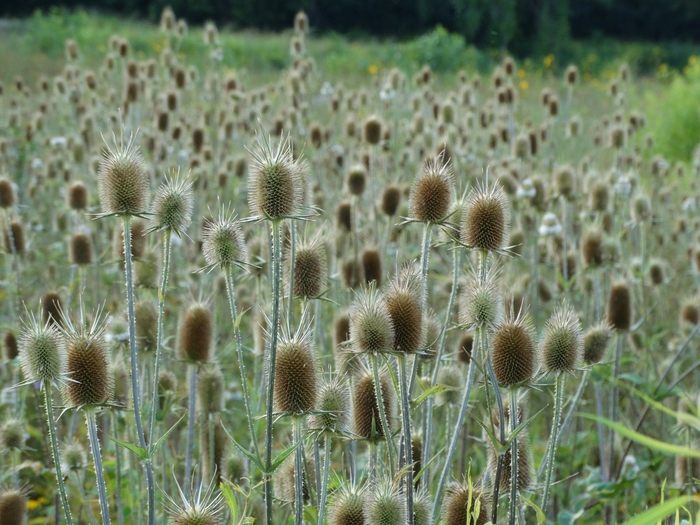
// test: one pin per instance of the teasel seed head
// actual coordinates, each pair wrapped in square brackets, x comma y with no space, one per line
[172,206]
[595,342]
[167,386]
[7,193]
[391,198]
[620,306]
[16,229]
[344,216]
[333,407]
[404,301]
[371,328]
[347,507]
[296,379]
[486,219]
[385,505]
[310,269]
[466,346]
[73,456]
[196,333]
[342,329]
[366,409]
[81,248]
[216,456]
[592,247]
[42,352]
[52,309]
[513,351]
[357,180]
[372,266]
[481,303]
[562,344]
[450,376]
[123,180]
[600,196]
[12,434]
[459,499]
[372,130]
[10,346]
[122,382]
[146,316]
[432,191]
[526,474]
[138,240]
[641,208]
[275,180]
[13,507]
[657,272]
[210,390]
[284,480]
[77,196]
[223,241]
[352,272]
[690,311]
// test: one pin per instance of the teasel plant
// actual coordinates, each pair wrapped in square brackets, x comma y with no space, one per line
[8,199]
[124,190]
[275,193]
[42,355]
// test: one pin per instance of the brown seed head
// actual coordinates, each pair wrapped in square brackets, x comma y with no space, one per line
[77,196]
[88,367]
[296,380]
[310,271]
[357,179]
[562,345]
[7,193]
[210,390]
[404,301]
[432,192]
[196,333]
[13,507]
[52,309]
[10,346]
[595,342]
[526,474]
[620,306]
[391,198]
[486,219]
[16,243]
[372,266]
[366,409]
[592,248]
[459,498]
[344,216]
[123,180]
[513,352]
[371,327]
[81,248]
[464,350]
[373,128]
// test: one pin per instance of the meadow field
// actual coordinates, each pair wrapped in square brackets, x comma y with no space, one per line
[347,263]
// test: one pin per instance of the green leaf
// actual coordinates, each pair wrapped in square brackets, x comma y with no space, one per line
[230,498]
[659,512]
[688,419]
[647,441]
[252,457]
[521,426]
[500,449]
[433,390]
[541,517]
[158,443]
[140,452]
[284,455]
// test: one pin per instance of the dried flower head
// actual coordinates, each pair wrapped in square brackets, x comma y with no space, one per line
[481,302]
[123,179]
[562,344]
[310,269]
[465,505]
[172,206]
[371,328]
[404,302]
[513,351]
[13,507]
[595,342]
[433,190]
[332,406]
[196,333]
[223,242]
[366,419]
[486,219]
[620,306]
[42,352]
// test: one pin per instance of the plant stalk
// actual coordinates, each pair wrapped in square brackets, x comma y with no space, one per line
[552,450]
[407,448]
[97,457]
[48,397]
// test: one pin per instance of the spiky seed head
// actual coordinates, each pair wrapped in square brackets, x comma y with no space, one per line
[562,344]
[13,507]
[391,198]
[481,303]
[121,380]
[233,468]
[344,216]
[12,434]
[526,474]
[366,409]
[342,329]
[656,272]
[404,301]
[433,329]
[7,193]
[284,486]
[620,306]
[464,351]
[690,311]
[641,208]
[450,376]
[213,457]
[123,180]
[16,244]
[571,74]
[347,507]
[371,328]
[167,386]
[373,129]
[196,333]
[296,379]
[463,506]
[172,206]
[592,248]
[194,516]
[310,269]
[565,180]
[10,346]
[138,240]
[357,179]
[385,506]
[81,248]
[432,191]
[599,196]
[88,368]
[210,390]
[77,196]
[42,353]
[486,219]
[275,185]
[595,342]
[74,456]
[146,316]
[513,352]
[333,405]
[372,266]
[223,242]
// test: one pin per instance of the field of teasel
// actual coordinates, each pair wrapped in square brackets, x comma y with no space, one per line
[300,302]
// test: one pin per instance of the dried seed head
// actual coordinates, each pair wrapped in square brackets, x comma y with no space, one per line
[592,248]
[77,196]
[357,179]
[385,505]
[123,180]
[481,303]
[52,309]
[74,456]
[641,208]
[167,386]
[284,480]
[656,272]
[342,329]
[366,417]
[450,376]
[486,219]
[391,198]
[464,506]
[296,379]
[620,306]
[17,243]
[196,333]
[352,274]
[599,196]
[210,390]
[223,242]
[565,180]
[10,346]
[146,316]
[213,457]
[595,342]
[172,206]
[373,129]
[13,507]
[81,248]
[347,507]
[417,456]
[571,74]
[7,193]
[526,474]
[690,311]
[333,405]
[275,181]
[433,190]
[562,344]
[371,328]
[138,239]
[42,353]
[12,434]
[464,351]
[310,269]
[404,301]
[88,367]
[122,382]
[513,352]
[372,266]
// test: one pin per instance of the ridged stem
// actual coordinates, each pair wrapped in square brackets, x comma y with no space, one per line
[292,261]
[48,398]
[97,457]
[514,495]
[382,416]
[159,341]
[298,472]
[501,428]
[614,402]
[574,404]
[276,253]
[134,367]
[326,469]
[118,469]
[554,438]
[192,369]
[407,448]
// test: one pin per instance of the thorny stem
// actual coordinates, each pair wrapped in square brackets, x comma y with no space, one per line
[514,496]
[613,411]
[552,450]
[407,448]
[97,457]
[501,428]
[382,415]
[54,452]
[292,261]
[326,469]
[118,468]
[298,472]
[190,427]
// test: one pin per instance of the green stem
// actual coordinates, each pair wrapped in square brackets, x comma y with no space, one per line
[514,496]
[54,452]
[613,411]
[407,442]
[382,416]
[326,469]
[558,402]
[298,472]
[190,428]
[97,457]
[292,261]
[118,468]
